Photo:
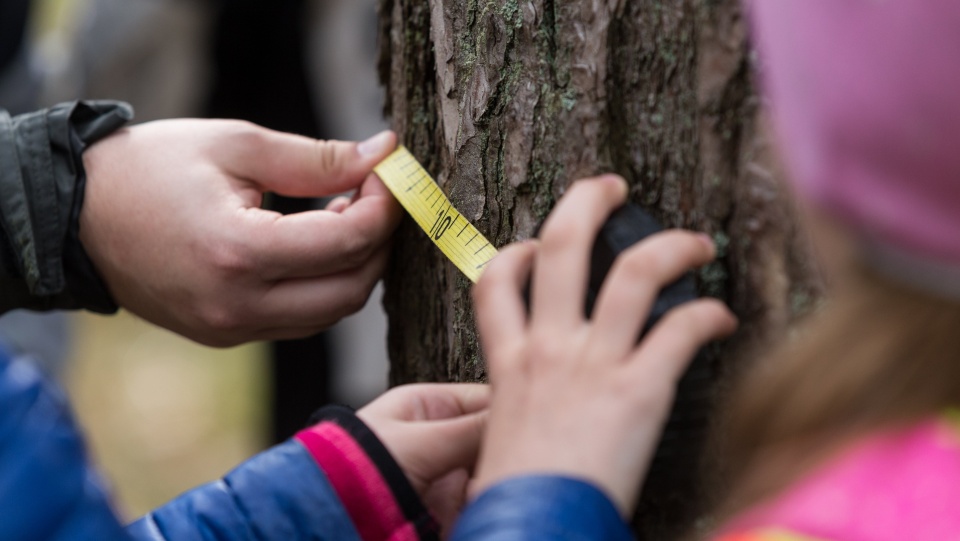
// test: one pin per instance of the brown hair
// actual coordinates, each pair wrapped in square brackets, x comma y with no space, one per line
[879,355]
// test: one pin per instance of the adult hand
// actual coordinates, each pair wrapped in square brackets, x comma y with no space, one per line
[433,431]
[172,221]
[578,397]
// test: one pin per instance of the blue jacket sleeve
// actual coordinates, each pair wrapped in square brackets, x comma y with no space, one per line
[541,508]
[279,494]
[48,492]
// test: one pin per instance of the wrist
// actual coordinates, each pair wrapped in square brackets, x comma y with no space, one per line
[374,490]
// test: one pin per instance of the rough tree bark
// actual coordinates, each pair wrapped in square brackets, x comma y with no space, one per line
[507,101]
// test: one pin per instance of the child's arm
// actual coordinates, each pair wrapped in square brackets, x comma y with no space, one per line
[279,494]
[338,481]
[335,481]
[48,490]
[575,398]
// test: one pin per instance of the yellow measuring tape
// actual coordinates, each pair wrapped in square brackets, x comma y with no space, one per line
[434,213]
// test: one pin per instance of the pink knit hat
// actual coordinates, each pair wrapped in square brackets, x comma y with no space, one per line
[866,98]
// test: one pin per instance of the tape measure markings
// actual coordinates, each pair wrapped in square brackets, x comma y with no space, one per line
[402,173]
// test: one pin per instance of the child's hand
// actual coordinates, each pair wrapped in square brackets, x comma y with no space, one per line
[433,431]
[581,398]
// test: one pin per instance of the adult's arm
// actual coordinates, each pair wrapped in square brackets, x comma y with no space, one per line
[43,265]
[169,213]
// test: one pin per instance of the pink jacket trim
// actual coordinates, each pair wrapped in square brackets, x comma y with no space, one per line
[362,490]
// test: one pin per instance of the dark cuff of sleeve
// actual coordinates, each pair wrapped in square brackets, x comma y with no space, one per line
[374,490]
[42,181]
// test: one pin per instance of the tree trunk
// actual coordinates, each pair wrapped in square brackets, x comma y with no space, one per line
[508,101]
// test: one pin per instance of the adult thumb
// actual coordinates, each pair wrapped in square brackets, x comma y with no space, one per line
[298,166]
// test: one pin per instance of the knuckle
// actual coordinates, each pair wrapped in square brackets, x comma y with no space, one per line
[357,248]
[242,127]
[546,349]
[638,263]
[501,365]
[329,158]
[356,297]
[245,134]
[230,259]
[558,234]
[220,318]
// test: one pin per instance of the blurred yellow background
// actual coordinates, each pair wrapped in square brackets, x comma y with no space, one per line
[163,414]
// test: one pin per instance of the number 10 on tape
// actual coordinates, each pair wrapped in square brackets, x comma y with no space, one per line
[434,213]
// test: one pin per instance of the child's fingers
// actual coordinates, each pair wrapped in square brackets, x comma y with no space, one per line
[560,276]
[670,346]
[430,401]
[438,401]
[460,437]
[498,299]
[634,282]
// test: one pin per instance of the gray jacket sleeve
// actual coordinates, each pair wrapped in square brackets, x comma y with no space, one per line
[43,266]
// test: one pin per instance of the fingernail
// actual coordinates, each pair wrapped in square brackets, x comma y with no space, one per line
[376,145]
